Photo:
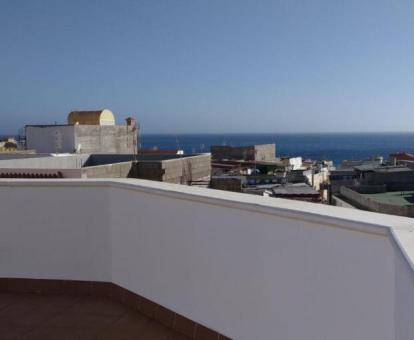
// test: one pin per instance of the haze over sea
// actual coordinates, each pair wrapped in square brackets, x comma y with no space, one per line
[330,146]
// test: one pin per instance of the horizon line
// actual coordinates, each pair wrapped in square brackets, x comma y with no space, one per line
[260,133]
[278,133]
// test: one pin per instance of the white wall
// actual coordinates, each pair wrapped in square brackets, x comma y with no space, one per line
[75,161]
[47,232]
[50,138]
[249,267]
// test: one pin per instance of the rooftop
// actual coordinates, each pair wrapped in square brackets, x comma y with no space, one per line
[299,189]
[245,266]
[400,198]
[389,169]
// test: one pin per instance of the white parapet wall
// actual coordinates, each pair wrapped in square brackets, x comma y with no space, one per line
[246,266]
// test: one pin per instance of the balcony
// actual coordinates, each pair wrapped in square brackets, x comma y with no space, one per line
[224,264]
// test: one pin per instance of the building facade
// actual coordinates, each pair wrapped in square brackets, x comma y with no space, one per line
[86,132]
[261,152]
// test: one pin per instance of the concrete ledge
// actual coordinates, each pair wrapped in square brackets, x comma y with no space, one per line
[357,220]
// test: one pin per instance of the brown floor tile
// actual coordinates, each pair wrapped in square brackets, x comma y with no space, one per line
[102,289]
[11,333]
[6,299]
[147,307]
[3,285]
[155,331]
[98,305]
[77,288]
[177,336]
[29,311]
[184,325]
[204,333]
[116,292]
[223,337]
[48,333]
[50,286]
[131,300]
[129,326]
[34,316]
[165,316]
[78,320]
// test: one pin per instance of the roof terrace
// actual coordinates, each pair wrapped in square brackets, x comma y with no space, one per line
[223,264]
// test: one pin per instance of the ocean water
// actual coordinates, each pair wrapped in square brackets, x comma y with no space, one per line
[330,146]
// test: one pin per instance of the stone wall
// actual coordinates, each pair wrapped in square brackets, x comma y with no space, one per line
[117,170]
[338,202]
[366,203]
[104,139]
[45,162]
[265,152]
[262,152]
[179,170]
[228,184]
[395,181]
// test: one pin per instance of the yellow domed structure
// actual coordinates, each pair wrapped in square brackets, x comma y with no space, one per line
[100,117]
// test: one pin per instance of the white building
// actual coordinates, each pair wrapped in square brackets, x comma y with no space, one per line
[86,132]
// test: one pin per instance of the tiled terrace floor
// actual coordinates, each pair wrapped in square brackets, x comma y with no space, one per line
[31,316]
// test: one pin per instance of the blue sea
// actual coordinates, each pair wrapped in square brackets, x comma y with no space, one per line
[330,146]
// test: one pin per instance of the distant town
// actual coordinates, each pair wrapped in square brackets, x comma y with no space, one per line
[92,145]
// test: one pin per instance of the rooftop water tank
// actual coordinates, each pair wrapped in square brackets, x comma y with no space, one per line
[100,117]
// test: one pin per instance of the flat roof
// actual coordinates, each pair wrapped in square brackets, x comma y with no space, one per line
[392,169]
[399,198]
[295,189]
[46,125]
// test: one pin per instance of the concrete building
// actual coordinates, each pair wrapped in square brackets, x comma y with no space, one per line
[206,263]
[295,163]
[401,156]
[246,183]
[261,152]
[394,178]
[379,188]
[86,132]
[228,183]
[351,164]
[386,202]
[298,191]
[189,169]
[8,145]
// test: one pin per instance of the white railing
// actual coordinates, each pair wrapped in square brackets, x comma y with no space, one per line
[249,267]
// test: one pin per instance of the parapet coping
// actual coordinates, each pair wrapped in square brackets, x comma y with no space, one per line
[401,229]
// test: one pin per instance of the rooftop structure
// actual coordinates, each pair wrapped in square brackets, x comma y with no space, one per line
[99,117]
[172,168]
[213,262]
[86,132]
[260,152]
[402,156]
[399,198]
[378,199]
[299,191]
[351,164]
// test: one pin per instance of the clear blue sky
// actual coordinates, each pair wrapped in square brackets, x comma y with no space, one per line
[212,65]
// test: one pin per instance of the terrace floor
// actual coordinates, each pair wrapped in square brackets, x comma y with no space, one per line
[31,316]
